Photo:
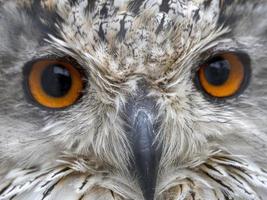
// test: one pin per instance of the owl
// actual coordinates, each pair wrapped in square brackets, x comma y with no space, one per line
[133,100]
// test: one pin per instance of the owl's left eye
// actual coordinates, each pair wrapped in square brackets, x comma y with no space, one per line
[54,83]
[224,75]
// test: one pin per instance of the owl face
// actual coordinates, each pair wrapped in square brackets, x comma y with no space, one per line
[143,99]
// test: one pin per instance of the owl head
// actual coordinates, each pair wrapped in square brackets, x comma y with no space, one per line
[133,99]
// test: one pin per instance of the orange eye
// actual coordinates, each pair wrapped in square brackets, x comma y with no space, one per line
[54,84]
[224,75]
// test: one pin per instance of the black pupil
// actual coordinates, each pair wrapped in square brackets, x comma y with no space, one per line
[217,72]
[56,80]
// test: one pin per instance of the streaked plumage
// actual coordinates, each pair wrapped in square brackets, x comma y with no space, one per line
[133,52]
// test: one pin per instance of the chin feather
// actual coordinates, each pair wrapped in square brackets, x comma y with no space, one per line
[72,179]
[222,176]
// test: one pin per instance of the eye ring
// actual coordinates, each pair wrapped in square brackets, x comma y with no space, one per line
[225,75]
[53,83]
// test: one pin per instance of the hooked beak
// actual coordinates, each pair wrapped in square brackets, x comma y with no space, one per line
[142,130]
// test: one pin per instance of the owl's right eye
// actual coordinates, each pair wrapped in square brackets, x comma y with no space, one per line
[54,84]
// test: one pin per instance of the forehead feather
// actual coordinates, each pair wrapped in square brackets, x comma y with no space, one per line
[145,36]
[137,32]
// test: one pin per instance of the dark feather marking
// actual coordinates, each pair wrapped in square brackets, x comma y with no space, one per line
[37,12]
[236,179]
[181,187]
[12,188]
[249,193]
[61,171]
[224,3]
[207,3]
[30,169]
[84,182]
[243,171]
[50,189]
[41,175]
[90,5]
[101,32]
[45,184]
[12,197]
[196,16]
[81,197]
[5,188]
[121,34]
[226,197]
[104,11]
[31,172]
[160,26]
[112,194]
[164,7]
[220,182]
[73,2]
[212,168]
[193,195]
[247,174]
